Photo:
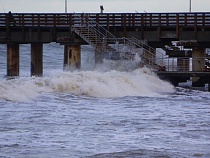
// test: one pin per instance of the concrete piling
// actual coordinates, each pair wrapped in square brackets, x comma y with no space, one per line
[198,64]
[72,56]
[36,59]
[98,57]
[13,59]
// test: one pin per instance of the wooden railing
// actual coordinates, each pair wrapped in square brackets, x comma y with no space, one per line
[201,19]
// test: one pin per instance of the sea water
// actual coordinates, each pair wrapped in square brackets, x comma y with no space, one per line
[113,109]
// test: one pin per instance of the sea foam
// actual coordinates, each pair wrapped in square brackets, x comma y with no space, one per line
[102,84]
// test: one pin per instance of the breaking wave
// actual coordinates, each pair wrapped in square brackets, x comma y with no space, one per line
[102,84]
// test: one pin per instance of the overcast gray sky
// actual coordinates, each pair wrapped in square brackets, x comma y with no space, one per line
[33,6]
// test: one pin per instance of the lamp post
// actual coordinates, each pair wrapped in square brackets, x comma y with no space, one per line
[65,6]
[190,6]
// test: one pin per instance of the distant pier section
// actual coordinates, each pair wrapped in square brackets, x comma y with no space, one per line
[103,31]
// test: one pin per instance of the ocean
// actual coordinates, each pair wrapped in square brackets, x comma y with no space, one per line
[110,110]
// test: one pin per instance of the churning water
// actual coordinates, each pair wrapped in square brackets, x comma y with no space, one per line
[101,111]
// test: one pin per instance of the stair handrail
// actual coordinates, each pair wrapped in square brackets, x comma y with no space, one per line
[104,37]
[83,26]
[158,55]
[146,54]
[146,46]
[87,21]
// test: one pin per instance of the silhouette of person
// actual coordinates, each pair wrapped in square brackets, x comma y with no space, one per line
[11,19]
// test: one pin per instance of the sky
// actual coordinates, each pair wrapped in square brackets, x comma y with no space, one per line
[110,6]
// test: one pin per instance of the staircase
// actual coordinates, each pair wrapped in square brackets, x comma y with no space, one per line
[93,33]
[110,46]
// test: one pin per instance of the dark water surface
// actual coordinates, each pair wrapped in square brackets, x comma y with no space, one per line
[97,114]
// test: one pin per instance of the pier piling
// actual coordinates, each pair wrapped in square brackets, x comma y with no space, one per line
[72,56]
[12,59]
[36,59]
[198,57]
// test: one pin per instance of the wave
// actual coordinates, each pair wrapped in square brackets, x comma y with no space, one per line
[101,84]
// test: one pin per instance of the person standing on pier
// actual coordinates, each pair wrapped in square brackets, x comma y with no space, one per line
[11,20]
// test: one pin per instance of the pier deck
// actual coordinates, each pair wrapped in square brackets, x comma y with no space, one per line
[158,29]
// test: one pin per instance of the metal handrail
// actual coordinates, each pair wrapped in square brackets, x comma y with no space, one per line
[87,28]
[183,64]
[85,22]
[148,52]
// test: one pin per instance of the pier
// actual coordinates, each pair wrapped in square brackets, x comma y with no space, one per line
[141,33]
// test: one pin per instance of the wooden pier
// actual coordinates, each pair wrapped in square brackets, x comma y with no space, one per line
[191,30]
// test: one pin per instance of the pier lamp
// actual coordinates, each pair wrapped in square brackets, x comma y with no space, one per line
[65,6]
[102,9]
[190,5]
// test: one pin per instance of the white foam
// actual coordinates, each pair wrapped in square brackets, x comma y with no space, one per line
[17,90]
[139,82]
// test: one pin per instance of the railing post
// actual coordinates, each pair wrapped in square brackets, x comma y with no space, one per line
[186,19]
[107,21]
[21,21]
[70,21]
[204,20]
[32,19]
[142,26]
[177,26]
[97,18]
[7,24]
[159,28]
[150,19]
[113,19]
[167,19]
[195,26]
[38,20]
[124,24]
